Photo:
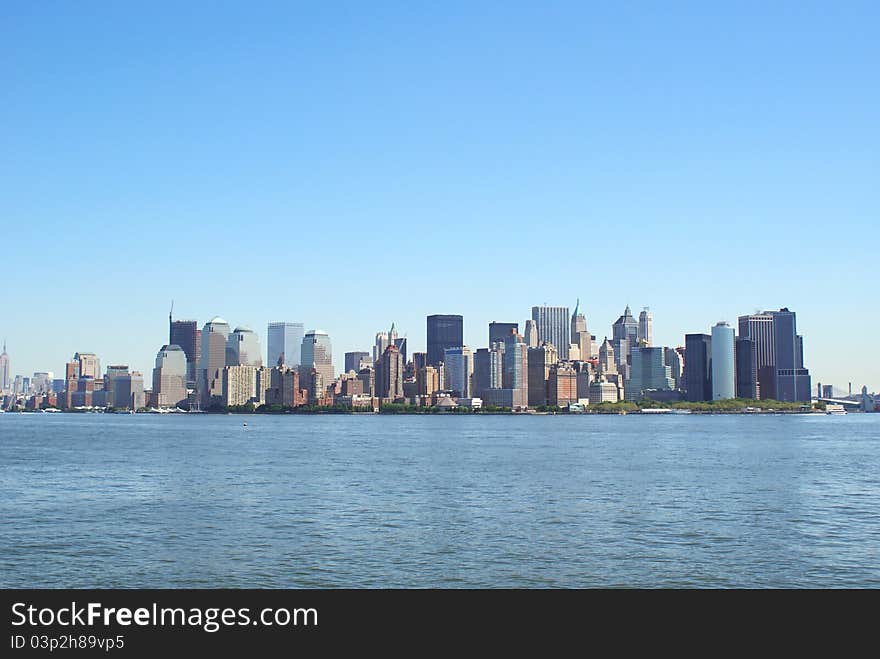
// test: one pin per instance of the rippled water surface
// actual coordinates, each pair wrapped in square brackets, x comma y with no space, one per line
[400,501]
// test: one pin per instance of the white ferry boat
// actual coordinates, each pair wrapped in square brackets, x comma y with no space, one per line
[834,408]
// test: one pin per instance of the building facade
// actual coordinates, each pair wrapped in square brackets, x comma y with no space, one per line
[553,325]
[698,367]
[746,369]
[624,336]
[459,364]
[186,335]
[355,361]
[243,348]
[648,371]
[723,362]
[284,344]
[443,331]
[170,377]
[316,354]
[499,331]
[213,360]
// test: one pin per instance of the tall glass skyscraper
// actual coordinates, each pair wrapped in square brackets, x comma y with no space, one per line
[444,331]
[759,329]
[649,371]
[185,333]
[723,362]
[698,366]
[285,343]
[459,371]
[553,325]
[779,355]
[791,380]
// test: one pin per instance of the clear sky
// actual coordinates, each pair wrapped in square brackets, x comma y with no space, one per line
[352,164]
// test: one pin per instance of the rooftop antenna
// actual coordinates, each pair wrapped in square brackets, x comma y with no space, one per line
[170,313]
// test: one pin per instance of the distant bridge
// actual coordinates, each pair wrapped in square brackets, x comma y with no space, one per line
[840,401]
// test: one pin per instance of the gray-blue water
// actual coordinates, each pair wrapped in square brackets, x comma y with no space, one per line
[459,501]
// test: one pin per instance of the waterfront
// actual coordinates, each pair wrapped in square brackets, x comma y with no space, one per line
[439,501]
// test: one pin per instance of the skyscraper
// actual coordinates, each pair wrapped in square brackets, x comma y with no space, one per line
[285,343]
[400,342]
[169,376]
[779,355]
[673,361]
[239,385]
[791,380]
[482,380]
[648,372]
[553,327]
[759,328]
[213,360]
[698,366]
[459,371]
[185,334]
[382,341]
[89,365]
[746,369]
[355,361]
[531,334]
[624,335]
[516,370]
[607,361]
[723,362]
[562,385]
[499,331]
[444,331]
[646,327]
[389,374]
[316,354]
[540,361]
[5,374]
[580,335]
[244,348]
[128,391]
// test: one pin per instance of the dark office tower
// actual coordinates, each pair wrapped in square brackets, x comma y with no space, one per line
[759,328]
[500,331]
[746,368]
[420,360]
[401,345]
[698,366]
[185,333]
[354,361]
[444,331]
[791,379]
[481,372]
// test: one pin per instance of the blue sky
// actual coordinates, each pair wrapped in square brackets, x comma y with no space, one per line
[352,164]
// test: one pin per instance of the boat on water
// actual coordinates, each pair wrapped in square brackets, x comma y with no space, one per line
[835,408]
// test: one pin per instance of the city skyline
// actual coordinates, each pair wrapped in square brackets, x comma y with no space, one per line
[338,357]
[703,160]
